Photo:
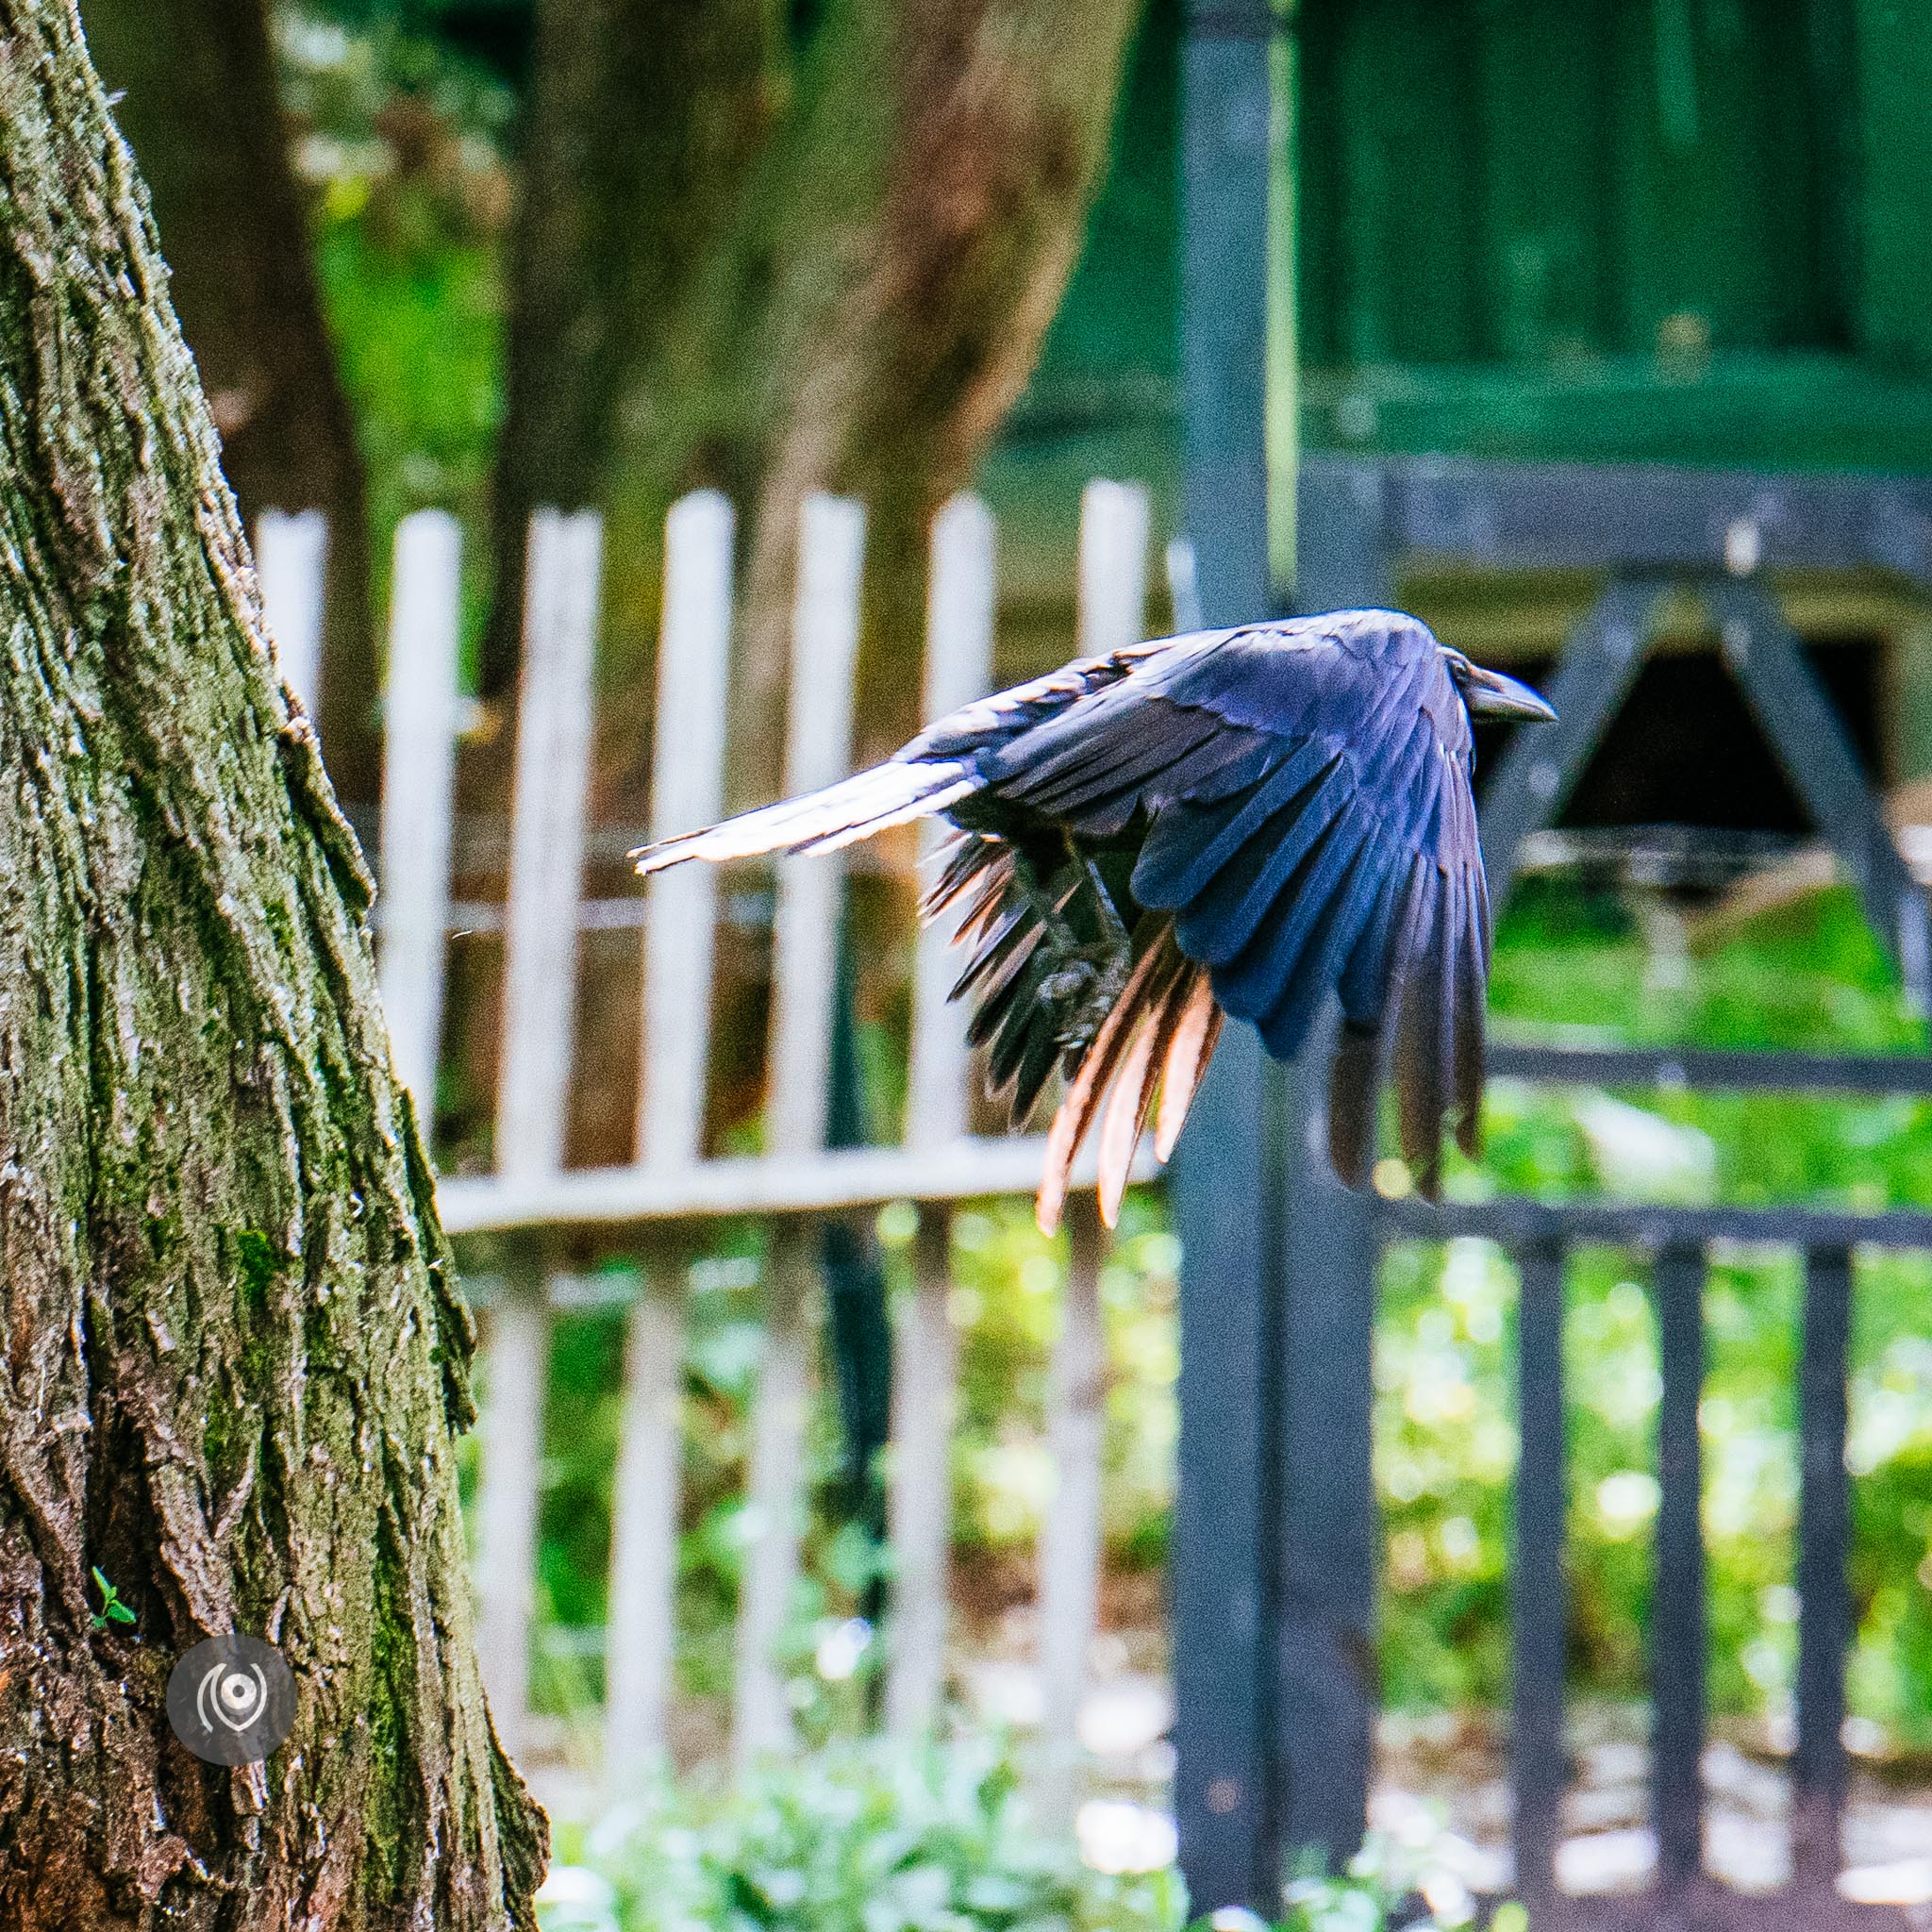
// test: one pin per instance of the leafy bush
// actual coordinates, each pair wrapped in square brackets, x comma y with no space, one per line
[875,1838]
[857,1838]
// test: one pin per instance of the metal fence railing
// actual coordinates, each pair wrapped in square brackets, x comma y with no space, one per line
[1276,1533]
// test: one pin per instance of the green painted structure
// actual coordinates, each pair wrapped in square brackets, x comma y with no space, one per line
[1685,231]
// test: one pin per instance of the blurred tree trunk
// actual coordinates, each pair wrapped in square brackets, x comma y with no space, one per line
[201,108]
[779,258]
[234,1352]
[645,118]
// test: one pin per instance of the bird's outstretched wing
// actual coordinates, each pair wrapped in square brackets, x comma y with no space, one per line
[1232,821]
[1309,824]
[929,775]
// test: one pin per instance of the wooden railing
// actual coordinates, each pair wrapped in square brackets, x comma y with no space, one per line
[652,1207]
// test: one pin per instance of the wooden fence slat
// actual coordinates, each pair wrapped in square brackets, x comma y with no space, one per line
[680,934]
[1677,1616]
[1112,615]
[510,1427]
[1070,1538]
[1114,520]
[1538,1599]
[687,790]
[774,1501]
[291,562]
[817,751]
[925,1400]
[532,1089]
[804,947]
[1824,1609]
[418,772]
[547,841]
[958,667]
[641,1632]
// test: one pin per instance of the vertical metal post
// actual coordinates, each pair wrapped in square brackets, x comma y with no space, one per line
[1223,1582]
[1539,1598]
[1227,1184]
[1325,1335]
[1275,1561]
[1825,1610]
[1327,1643]
[1227,122]
[1678,1627]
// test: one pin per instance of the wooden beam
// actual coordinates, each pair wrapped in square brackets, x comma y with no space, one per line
[753,1184]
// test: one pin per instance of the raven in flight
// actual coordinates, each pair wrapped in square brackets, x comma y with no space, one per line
[1229,822]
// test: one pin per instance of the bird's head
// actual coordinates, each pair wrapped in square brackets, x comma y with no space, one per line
[1490,694]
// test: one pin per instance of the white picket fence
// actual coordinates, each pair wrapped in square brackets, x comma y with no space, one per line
[655,1206]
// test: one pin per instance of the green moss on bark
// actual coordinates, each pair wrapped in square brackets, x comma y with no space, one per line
[230,1347]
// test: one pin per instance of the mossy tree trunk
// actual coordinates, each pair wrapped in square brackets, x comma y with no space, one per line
[779,249]
[201,108]
[232,1353]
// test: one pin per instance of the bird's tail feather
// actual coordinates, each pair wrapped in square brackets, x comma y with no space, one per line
[894,794]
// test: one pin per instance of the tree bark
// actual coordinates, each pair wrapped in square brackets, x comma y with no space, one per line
[910,318]
[233,1351]
[202,110]
[844,286]
[644,119]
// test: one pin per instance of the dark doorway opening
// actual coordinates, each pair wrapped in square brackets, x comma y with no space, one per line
[1685,749]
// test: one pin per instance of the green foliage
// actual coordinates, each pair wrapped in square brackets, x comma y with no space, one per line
[723,1340]
[113,1609]
[877,1838]
[404,146]
[413,308]
[1809,975]
[854,1839]
[1005,1306]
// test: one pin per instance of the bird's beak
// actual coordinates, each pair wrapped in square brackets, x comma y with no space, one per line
[1490,694]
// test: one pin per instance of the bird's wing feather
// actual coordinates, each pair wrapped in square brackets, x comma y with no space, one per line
[1304,793]
[1342,855]
[932,773]
[1195,1034]
[856,808]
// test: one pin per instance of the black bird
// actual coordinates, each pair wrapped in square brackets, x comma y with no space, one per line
[1229,822]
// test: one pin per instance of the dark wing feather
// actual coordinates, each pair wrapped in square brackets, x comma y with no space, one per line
[1187,844]
[1370,988]
[1419,1086]
[1327,920]
[1351,863]
[1137,1016]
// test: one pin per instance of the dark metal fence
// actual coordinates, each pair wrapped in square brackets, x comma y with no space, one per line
[1678,1242]
[1275,1530]
[1275,1590]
